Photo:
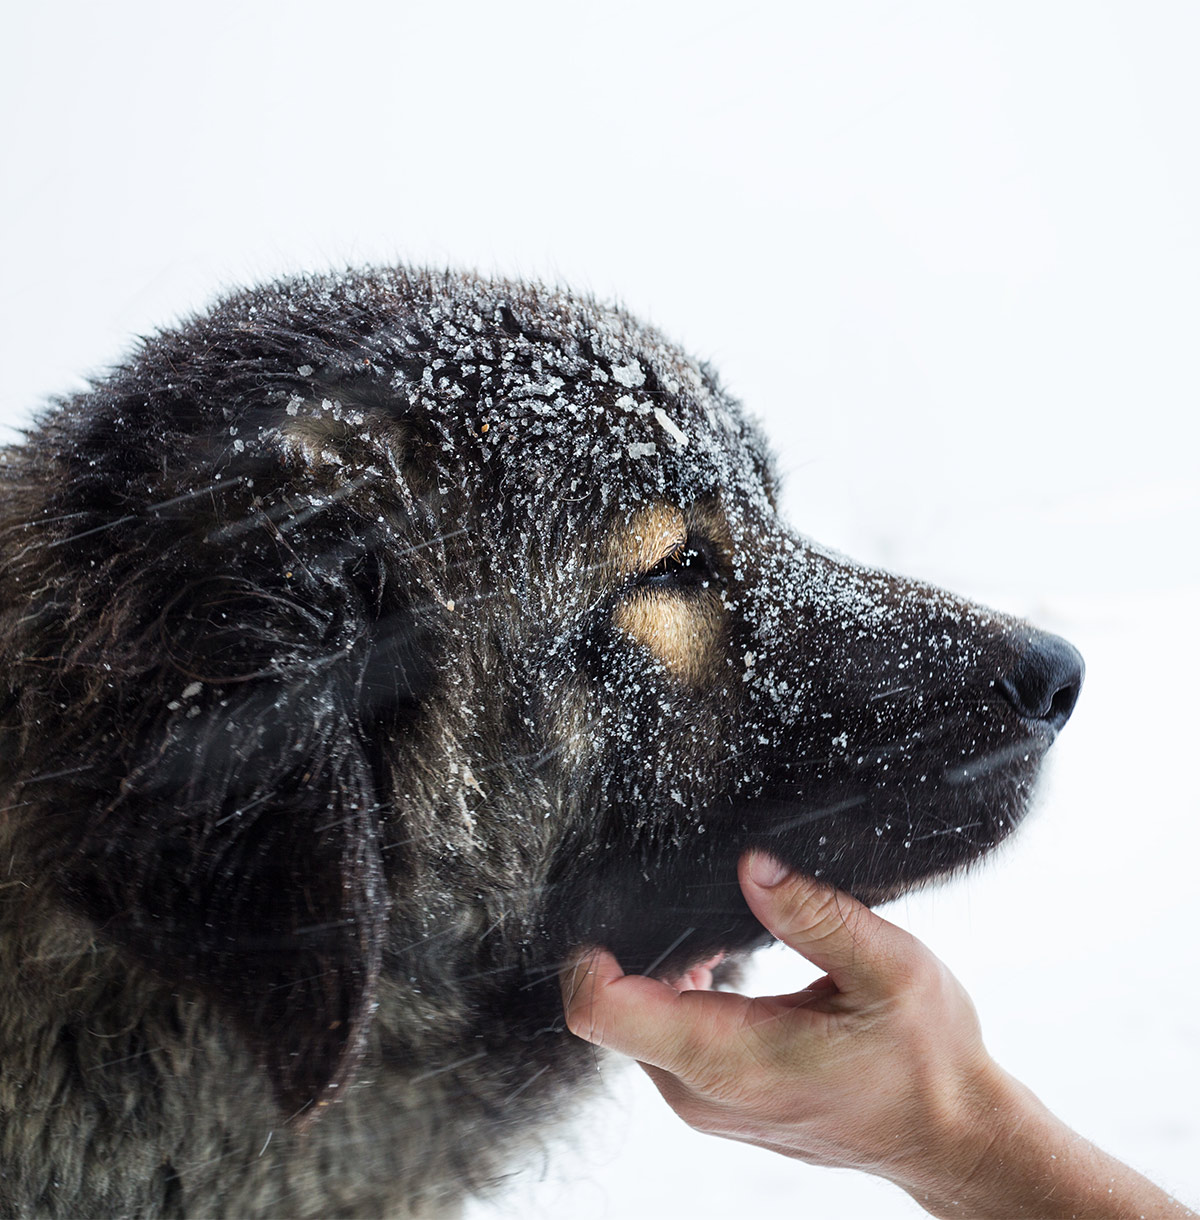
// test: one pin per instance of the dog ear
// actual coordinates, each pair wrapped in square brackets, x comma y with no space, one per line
[209,731]
[242,856]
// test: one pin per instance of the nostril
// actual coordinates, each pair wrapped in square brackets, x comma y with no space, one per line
[1044,684]
[1062,702]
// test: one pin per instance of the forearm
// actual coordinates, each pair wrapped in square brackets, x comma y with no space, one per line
[1014,1158]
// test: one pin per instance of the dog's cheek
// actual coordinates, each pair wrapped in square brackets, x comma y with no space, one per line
[685,632]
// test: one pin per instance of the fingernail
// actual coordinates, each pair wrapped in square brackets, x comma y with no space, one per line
[765,871]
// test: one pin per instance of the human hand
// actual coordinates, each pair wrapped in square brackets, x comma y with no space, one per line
[867,1068]
[877,1066]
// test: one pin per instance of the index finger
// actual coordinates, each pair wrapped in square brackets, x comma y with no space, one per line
[643,1018]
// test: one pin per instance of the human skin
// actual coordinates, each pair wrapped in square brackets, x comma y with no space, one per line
[878,1066]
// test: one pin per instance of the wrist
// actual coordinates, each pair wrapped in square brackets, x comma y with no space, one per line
[1006,1155]
[985,1148]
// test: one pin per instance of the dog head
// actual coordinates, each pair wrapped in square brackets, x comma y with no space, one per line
[387,635]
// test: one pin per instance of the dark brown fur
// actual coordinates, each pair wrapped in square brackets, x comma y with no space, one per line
[367,643]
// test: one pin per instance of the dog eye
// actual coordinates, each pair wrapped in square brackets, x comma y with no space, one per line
[686,567]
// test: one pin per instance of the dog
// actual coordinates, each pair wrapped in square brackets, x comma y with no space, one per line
[367,644]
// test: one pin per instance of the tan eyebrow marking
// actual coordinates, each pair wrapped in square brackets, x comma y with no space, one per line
[650,536]
[706,518]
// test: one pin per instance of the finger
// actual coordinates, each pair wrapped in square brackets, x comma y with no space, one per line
[860,952]
[643,1018]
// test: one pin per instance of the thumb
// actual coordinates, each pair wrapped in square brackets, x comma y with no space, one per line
[860,952]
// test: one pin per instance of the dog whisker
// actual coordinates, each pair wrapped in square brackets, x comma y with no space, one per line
[817,815]
[889,694]
[108,1063]
[522,1087]
[973,768]
[662,957]
[188,496]
[449,1067]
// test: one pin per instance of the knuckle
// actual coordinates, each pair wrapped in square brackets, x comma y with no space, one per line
[706,1062]
[921,977]
[916,976]
[827,920]
[694,1056]
[729,1075]
[816,916]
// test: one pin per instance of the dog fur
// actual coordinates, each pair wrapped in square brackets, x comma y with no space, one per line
[365,645]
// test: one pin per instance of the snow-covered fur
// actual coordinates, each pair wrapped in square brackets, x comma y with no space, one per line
[367,643]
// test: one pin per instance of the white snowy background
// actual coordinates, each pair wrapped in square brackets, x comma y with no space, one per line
[949,252]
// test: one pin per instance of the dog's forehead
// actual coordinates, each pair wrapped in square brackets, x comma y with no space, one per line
[557,389]
[548,393]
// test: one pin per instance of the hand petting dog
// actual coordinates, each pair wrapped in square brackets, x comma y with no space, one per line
[878,1066]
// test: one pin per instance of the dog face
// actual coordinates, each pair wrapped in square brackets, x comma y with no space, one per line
[375,640]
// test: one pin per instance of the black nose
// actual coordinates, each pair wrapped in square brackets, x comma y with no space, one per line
[1045,681]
